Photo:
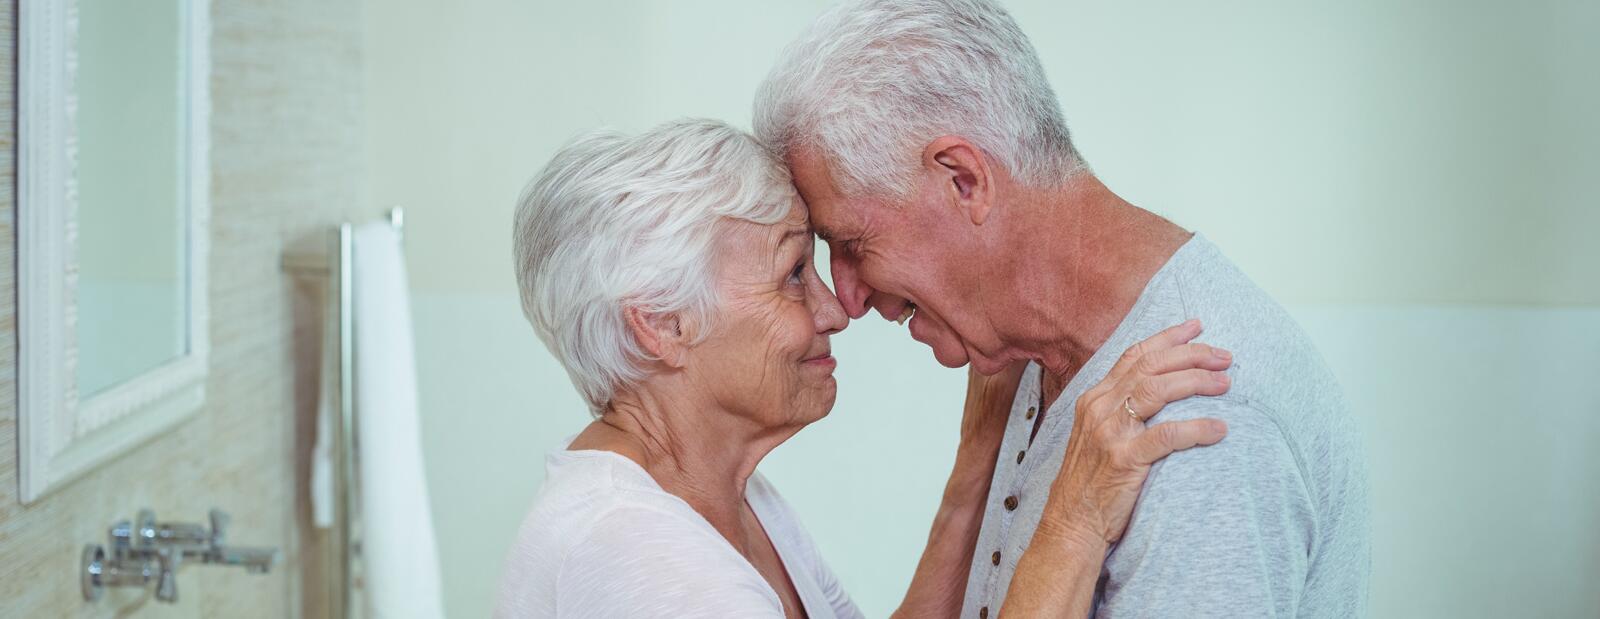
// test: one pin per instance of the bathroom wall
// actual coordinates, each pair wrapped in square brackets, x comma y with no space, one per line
[1412,181]
[286,164]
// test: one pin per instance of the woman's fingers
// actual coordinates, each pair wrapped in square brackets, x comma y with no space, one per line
[1181,357]
[1173,336]
[1160,440]
[1151,394]
[1106,459]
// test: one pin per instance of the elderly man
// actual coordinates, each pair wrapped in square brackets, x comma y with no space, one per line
[937,165]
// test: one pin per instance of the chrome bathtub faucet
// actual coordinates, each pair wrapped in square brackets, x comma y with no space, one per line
[147,550]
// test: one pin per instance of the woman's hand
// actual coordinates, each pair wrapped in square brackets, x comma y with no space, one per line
[1108,455]
[1111,451]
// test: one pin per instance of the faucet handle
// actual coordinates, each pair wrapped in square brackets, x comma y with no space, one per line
[144,529]
[219,526]
[121,535]
[167,582]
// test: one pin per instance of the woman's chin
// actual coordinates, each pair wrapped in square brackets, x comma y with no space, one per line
[821,402]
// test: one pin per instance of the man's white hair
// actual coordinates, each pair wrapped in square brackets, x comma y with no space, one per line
[616,221]
[871,82]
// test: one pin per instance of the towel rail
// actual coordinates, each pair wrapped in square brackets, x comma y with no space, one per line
[336,264]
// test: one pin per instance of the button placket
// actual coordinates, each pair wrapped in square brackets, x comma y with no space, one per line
[1019,433]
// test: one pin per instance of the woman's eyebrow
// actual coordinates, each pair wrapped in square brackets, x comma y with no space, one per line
[794,233]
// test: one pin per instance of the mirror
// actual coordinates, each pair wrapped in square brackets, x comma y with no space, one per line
[130,240]
[112,212]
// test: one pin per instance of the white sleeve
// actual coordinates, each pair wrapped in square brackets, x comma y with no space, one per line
[644,562]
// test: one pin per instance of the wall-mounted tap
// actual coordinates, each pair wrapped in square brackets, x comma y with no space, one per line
[146,549]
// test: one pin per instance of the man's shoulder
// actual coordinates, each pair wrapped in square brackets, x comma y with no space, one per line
[1256,436]
[1263,462]
[1277,367]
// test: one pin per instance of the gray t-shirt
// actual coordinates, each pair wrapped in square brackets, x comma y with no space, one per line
[1271,522]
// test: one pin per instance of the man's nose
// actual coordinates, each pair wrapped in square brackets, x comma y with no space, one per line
[847,283]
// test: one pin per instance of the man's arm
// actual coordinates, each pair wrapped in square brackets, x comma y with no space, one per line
[940,582]
[1224,531]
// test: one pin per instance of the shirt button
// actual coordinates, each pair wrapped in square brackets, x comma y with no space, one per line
[1020,454]
[1031,411]
[983,613]
[995,558]
[1011,503]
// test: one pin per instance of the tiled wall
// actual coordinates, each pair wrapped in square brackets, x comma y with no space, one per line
[286,164]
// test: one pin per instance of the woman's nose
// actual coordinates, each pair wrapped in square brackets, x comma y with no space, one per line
[826,312]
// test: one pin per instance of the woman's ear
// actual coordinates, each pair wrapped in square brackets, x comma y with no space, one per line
[965,173]
[659,333]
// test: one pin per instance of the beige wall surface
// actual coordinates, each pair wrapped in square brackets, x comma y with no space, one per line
[286,163]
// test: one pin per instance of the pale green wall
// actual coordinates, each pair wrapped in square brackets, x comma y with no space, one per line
[1397,174]
[1349,152]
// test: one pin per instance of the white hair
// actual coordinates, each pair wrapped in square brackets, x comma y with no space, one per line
[871,82]
[617,221]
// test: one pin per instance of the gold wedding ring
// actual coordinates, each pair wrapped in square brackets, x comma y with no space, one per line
[1127,405]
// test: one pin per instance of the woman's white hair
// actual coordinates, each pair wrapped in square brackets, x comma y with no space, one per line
[617,221]
[871,82]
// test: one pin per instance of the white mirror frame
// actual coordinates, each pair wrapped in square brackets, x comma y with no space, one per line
[60,436]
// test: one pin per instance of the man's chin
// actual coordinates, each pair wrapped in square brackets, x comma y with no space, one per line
[950,358]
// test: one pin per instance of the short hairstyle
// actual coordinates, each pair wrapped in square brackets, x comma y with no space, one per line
[871,82]
[617,221]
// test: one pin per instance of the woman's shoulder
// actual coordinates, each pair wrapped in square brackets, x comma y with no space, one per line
[595,523]
[584,490]
[601,499]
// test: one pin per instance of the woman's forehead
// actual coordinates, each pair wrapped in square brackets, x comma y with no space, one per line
[750,240]
[799,214]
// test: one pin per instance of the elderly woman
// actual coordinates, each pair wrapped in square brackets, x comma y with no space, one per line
[671,274]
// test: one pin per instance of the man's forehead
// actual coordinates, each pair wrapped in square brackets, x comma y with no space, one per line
[811,172]
[831,215]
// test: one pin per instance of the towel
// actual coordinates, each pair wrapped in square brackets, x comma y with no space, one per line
[399,559]
[323,501]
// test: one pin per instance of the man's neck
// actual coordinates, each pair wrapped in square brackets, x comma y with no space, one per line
[1088,257]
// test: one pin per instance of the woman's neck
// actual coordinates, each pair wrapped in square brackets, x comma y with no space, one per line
[692,449]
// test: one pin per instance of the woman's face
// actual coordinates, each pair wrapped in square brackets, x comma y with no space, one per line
[768,358]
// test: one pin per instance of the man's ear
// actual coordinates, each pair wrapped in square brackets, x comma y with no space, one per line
[660,334]
[964,171]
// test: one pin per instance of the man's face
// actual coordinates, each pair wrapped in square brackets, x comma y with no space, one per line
[915,258]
